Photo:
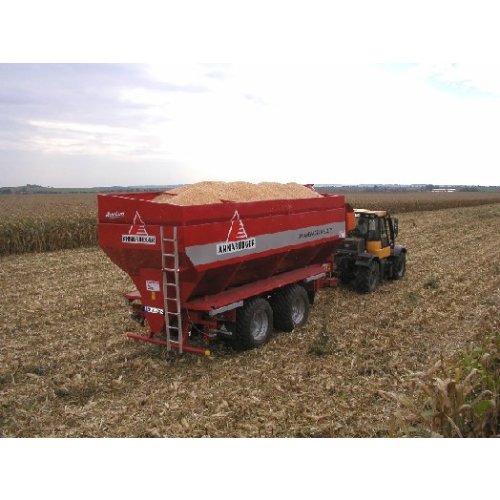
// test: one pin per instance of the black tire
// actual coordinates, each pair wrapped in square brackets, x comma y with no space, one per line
[399,266]
[290,308]
[346,277]
[254,324]
[368,277]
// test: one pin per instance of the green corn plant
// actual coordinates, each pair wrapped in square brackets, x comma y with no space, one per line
[463,401]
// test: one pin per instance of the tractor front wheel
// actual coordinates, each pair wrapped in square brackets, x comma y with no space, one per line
[368,277]
[399,266]
[254,324]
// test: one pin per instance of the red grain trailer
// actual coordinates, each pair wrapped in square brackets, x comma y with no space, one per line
[232,270]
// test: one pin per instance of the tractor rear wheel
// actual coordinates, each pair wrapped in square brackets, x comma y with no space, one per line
[290,308]
[346,277]
[399,266]
[254,324]
[368,277]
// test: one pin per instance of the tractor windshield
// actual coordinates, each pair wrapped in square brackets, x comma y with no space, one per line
[362,226]
[372,227]
[366,227]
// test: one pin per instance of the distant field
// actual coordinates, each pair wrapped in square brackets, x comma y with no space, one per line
[47,206]
[40,223]
[46,222]
[416,202]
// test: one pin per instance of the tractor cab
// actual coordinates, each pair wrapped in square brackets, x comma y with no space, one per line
[378,229]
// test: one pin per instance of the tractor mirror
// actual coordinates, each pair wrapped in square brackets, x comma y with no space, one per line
[396,227]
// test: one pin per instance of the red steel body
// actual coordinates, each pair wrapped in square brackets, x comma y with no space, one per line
[227,252]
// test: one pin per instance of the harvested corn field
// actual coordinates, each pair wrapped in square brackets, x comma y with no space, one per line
[67,369]
[203,193]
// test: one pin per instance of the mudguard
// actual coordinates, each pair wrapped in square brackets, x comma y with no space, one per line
[398,250]
[365,259]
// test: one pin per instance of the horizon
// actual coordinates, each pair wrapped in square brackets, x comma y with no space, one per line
[319,185]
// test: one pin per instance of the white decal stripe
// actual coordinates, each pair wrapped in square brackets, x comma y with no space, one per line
[207,254]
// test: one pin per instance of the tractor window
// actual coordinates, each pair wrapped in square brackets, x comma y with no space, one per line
[372,230]
[384,235]
[362,226]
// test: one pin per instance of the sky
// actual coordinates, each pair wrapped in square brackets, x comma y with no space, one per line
[87,125]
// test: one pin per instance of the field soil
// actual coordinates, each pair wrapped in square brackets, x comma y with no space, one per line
[67,369]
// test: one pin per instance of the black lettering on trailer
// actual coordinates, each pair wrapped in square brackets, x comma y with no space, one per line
[135,239]
[236,246]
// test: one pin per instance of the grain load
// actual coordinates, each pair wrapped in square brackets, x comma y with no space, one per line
[203,193]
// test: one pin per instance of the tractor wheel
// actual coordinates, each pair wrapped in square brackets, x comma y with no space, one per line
[290,308]
[254,324]
[346,277]
[399,268]
[368,278]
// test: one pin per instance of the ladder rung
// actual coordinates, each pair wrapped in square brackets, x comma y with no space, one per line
[169,240]
[169,255]
[168,269]
[171,284]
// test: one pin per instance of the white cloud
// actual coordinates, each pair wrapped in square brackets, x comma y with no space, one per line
[480,77]
[332,123]
[83,138]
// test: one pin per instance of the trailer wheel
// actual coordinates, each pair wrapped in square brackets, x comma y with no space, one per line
[254,324]
[290,308]
[399,268]
[368,277]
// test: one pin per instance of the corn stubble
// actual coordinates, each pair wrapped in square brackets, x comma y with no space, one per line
[358,368]
[351,371]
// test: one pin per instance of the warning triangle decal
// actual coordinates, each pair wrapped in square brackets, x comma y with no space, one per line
[138,227]
[237,229]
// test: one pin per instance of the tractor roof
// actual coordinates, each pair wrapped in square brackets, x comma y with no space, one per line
[377,213]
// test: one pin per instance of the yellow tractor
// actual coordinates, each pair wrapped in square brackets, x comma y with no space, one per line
[369,254]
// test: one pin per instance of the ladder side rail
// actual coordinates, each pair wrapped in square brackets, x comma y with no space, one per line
[177,291]
[165,287]
[170,264]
